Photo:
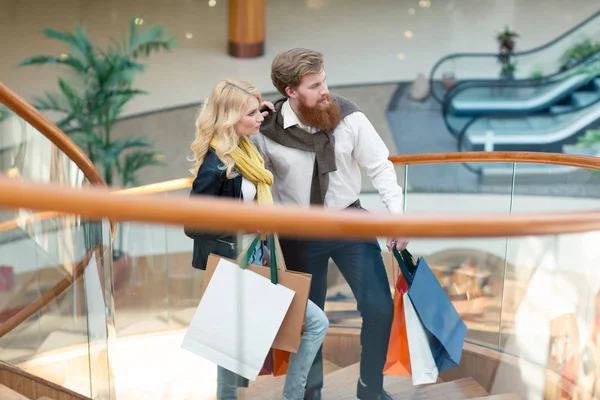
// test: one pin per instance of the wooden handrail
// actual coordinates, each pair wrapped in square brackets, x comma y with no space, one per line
[419,159]
[229,215]
[592,163]
[40,122]
[63,142]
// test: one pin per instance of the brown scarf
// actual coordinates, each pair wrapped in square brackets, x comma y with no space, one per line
[321,143]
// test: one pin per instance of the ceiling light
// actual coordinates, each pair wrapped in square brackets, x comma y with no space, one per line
[139,21]
[401,56]
[189,35]
[212,3]
[411,11]
[424,3]
[408,34]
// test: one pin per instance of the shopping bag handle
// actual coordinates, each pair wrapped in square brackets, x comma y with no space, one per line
[406,263]
[273,258]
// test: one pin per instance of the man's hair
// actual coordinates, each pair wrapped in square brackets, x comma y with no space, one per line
[290,66]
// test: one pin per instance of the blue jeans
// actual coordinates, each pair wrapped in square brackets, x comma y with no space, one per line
[315,329]
[361,265]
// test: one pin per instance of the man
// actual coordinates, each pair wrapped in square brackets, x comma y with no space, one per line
[314,141]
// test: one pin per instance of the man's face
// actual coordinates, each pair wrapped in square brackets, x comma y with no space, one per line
[312,91]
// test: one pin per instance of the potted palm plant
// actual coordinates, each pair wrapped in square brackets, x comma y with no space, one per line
[507,43]
[90,101]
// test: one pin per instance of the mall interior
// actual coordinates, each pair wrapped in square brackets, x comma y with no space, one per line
[487,108]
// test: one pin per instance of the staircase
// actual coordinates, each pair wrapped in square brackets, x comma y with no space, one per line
[341,385]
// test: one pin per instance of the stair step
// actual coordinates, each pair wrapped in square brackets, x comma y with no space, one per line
[504,396]
[9,394]
[341,385]
[270,387]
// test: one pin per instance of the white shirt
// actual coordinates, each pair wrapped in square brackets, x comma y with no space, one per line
[356,142]
[248,194]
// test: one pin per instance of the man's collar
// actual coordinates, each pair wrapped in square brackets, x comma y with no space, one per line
[289,116]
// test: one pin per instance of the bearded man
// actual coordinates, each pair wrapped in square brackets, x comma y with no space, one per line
[313,142]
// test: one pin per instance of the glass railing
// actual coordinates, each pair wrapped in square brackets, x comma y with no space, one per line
[562,53]
[495,283]
[56,312]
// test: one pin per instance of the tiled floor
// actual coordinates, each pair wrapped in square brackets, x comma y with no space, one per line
[362,40]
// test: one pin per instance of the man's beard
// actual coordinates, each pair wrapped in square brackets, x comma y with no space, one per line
[324,117]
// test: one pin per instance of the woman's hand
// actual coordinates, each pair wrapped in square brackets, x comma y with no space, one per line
[265,106]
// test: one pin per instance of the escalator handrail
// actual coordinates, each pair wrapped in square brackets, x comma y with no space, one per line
[516,54]
[509,114]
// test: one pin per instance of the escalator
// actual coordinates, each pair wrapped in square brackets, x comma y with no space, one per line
[543,63]
[547,113]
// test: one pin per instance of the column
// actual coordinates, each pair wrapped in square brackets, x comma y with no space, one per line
[246,28]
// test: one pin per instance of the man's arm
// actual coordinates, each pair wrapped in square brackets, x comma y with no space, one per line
[261,145]
[371,153]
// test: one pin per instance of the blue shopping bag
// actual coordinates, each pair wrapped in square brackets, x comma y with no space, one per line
[445,329]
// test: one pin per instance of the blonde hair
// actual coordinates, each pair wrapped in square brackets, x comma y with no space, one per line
[290,66]
[218,115]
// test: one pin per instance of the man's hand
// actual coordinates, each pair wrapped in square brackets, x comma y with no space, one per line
[400,243]
[266,107]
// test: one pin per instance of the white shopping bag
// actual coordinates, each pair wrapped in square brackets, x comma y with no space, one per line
[237,319]
[422,364]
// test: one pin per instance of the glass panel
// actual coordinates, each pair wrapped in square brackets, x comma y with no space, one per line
[71,328]
[550,312]
[470,270]
[543,187]
[39,254]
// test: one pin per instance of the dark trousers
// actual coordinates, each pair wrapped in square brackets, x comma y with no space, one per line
[361,265]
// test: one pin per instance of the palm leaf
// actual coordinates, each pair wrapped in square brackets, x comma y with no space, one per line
[136,161]
[52,102]
[145,40]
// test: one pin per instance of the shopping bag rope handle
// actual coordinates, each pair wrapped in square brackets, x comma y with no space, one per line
[401,259]
[272,253]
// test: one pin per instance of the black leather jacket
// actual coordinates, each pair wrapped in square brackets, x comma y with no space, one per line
[212,181]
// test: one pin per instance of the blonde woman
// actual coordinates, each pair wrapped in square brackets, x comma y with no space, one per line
[227,164]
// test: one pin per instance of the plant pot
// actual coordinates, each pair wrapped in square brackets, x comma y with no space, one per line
[448,81]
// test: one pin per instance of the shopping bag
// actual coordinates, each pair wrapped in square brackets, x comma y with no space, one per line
[276,363]
[422,363]
[398,356]
[290,333]
[238,317]
[446,330]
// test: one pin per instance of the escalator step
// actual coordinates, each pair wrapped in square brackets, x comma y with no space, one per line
[560,109]
[584,98]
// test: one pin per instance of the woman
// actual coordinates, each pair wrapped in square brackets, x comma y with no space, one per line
[227,164]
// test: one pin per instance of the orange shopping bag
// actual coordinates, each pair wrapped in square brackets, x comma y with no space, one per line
[276,363]
[398,357]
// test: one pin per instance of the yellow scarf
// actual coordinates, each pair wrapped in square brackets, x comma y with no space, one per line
[252,167]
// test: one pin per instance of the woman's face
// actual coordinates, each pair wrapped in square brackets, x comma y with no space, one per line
[251,119]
